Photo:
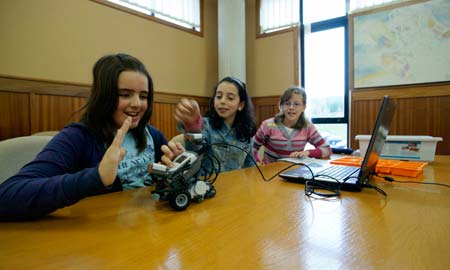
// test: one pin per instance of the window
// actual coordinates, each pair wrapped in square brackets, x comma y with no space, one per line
[324,55]
[324,59]
[182,14]
[324,67]
[277,15]
[360,5]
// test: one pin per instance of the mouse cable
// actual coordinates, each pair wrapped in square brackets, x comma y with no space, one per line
[333,190]
[310,185]
[378,189]
[390,179]
[256,164]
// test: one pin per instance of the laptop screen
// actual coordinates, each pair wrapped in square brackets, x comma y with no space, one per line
[379,134]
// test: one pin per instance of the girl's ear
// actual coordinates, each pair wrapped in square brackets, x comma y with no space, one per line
[241,106]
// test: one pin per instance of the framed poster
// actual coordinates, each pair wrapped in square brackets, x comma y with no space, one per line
[404,45]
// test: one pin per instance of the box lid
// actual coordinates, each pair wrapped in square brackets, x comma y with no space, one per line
[403,138]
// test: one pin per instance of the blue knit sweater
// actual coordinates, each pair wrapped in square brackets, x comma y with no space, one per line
[63,173]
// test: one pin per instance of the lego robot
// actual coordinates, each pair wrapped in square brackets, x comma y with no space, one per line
[183,182]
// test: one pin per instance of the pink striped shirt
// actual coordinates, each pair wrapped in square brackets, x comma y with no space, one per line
[279,143]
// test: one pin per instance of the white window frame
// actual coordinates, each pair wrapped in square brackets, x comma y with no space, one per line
[181,14]
[364,5]
[276,16]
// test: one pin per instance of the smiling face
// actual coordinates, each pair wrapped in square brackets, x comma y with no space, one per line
[133,93]
[293,109]
[227,102]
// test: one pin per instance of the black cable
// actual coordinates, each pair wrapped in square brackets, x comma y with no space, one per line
[208,173]
[256,164]
[367,185]
[390,179]
[334,191]
[213,168]
[310,185]
[211,159]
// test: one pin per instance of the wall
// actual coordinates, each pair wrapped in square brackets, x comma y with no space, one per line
[272,61]
[48,49]
[61,40]
[420,110]
[62,46]
[271,67]
[30,106]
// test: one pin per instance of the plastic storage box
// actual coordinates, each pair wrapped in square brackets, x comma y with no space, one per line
[386,166]
[419,148]
[398,167]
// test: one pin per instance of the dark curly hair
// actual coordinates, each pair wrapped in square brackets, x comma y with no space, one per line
[302,121]
[244,122]
[104,98]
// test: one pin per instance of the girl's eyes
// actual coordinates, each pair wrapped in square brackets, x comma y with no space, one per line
[230,98]
[126,94]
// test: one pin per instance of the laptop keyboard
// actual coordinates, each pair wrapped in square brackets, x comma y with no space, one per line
[338,172]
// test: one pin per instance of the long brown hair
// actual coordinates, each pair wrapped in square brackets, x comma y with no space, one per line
[104,98]
[244,122]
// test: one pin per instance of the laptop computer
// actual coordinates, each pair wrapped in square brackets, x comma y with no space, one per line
[349,177]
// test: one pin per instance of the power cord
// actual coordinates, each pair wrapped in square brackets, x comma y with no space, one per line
[390,179]
[256,163]
[378,189]
[311,186]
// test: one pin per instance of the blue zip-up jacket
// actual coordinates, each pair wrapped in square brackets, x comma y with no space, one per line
[63,173]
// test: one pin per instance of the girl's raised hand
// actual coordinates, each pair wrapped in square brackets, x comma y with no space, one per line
[113,155]
[187,112]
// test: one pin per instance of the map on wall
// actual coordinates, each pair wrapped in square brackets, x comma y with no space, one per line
[405,45]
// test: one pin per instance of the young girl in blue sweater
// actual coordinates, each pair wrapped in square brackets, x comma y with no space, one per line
[109,150]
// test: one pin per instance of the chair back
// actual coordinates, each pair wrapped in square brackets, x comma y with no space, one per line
[17,152]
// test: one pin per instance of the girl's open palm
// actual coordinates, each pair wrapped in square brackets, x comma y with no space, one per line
[113,155]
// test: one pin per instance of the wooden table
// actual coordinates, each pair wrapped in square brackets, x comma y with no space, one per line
[250,224]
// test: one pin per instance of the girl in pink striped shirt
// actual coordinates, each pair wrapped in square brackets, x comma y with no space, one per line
[287,134]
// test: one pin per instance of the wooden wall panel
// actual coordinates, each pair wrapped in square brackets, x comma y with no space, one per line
[14,116]
[163,115]
[265,107]
[26,107]
[421,110]
[363,114]
[425,116]
[163,119]
[52,112]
